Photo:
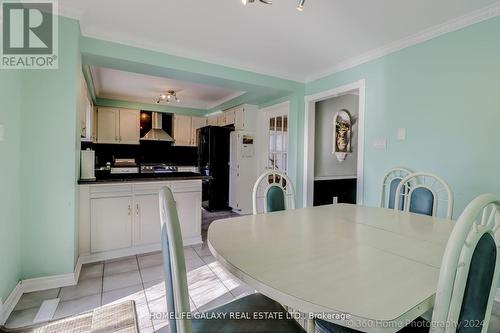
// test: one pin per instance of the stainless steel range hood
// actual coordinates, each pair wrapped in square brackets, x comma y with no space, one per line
[157,133]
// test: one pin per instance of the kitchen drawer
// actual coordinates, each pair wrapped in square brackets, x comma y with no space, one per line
[110,190]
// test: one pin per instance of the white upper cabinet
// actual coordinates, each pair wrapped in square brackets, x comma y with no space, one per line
[130,127]
[230,117]
[118,126]
[107,125]
[197,122]
[182,130]
[243,117]
[212,120]
[185,129]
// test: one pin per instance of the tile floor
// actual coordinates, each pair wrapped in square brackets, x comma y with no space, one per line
[138,278]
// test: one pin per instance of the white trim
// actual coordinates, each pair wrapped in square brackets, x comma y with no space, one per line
[420,37]
[262,151]
[10,303]
[310,111]
[319,178]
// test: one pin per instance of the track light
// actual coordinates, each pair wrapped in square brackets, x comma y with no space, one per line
[168,96]
[300,6]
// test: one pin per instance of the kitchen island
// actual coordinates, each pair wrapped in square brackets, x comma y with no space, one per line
[119,214]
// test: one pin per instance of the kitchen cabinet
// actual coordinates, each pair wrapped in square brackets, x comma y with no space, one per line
[111,223]
[221,119]
[182,130]
[212,120]
[230,117]
[243,117]
[123,219]
[185,130]
[118,126]
[197,122]
[147,216]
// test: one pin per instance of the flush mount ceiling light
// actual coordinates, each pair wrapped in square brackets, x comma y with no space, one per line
[300,5]
[168,97]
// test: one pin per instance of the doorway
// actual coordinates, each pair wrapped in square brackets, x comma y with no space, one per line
[274,131]
[313,174]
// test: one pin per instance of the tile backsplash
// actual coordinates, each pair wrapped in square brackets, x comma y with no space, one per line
[163,152]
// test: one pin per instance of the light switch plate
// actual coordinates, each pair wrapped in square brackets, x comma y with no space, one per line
[401,133]
[1,133]
[380,144]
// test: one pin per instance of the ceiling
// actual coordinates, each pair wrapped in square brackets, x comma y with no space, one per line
[276,40]
[133,87]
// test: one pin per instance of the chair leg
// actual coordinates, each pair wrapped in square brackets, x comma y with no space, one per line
[311,327]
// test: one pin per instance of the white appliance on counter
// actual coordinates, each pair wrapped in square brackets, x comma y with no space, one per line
[242,170]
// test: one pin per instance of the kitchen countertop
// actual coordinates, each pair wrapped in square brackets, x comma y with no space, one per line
[144,177]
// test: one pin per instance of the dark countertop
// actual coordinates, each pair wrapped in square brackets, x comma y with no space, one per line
[144,177]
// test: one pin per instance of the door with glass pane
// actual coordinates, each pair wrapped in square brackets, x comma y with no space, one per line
[277,134]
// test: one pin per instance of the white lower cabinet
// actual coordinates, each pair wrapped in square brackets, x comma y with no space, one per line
[110,223]
[119,220]
[146,219]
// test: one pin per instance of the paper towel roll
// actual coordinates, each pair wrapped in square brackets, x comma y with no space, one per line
[87,164]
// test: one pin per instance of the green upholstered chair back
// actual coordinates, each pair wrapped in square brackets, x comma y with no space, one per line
[470,269]
[425,193]
[273,191]
[174,265]
[390,183]
[275,199]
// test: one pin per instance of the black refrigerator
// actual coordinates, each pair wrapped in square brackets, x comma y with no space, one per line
[213,161]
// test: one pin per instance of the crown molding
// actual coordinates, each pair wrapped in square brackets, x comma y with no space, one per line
[423,36]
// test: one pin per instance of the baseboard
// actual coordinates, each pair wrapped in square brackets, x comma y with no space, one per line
[8,306]
[37,284]
[48,282]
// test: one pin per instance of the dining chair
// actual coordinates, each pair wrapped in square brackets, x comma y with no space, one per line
[468,276]
[177,295]
[273,191]
[426,194]
[390,183]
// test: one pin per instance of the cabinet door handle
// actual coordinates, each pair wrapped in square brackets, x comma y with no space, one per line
[116,138]
[129,210]
[120,138]
[137,209]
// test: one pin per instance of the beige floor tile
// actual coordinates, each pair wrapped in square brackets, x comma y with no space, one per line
[121,280]
[35,299]
[121,266]
[152,273]
[82,289]
[91,271]
[21,317]
[77,306]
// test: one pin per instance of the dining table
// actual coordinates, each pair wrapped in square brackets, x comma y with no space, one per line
[366,268]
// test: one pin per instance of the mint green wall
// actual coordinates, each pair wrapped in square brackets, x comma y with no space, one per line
[10,223]
[48,163]
[446,92]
